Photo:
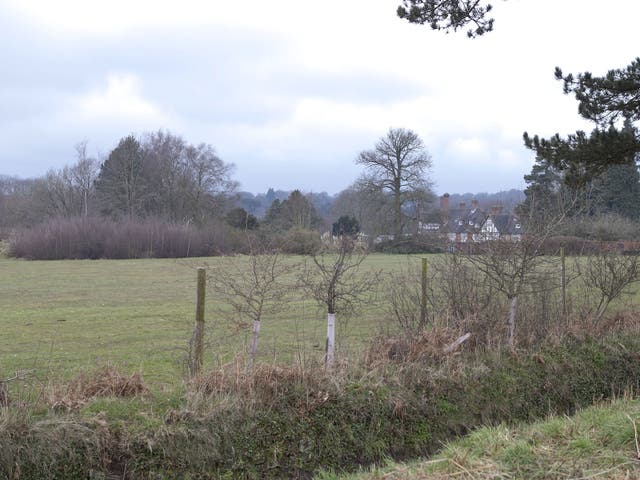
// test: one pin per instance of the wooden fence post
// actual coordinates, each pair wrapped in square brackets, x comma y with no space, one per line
[199,330]
[563,280]
[423,298]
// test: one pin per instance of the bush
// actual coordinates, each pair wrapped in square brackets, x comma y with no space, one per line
[605,227]
[411,244]
[299,241]
[93,238]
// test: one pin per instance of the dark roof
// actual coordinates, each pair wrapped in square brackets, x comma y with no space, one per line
[464,220]
[507,224]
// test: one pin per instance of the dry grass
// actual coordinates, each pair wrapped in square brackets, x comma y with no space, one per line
[427,345]
[107,381]
[268,385]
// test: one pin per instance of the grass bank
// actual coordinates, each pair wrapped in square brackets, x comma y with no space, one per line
[285,422]
[596,443]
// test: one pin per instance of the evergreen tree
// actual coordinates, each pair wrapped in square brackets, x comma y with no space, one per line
[273,215]
[121,184]
[617,191]
[448,14]
[345,225]
[241,219]
[296,211]
[606,101]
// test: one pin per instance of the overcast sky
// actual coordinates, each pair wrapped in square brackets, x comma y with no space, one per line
[291,90]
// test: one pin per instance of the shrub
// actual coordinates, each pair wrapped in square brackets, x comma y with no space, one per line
[411,244]
[92,238]
[299,241]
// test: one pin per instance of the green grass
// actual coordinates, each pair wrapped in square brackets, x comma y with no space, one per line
[597,442]
[62,316]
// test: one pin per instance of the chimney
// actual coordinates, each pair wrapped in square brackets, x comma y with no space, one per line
[474,204]
[496,210]
[462,205]
[444,202]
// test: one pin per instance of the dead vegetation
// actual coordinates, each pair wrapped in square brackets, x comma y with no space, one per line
[107,381]
[267,385]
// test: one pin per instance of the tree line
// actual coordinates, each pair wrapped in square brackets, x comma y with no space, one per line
[160,178]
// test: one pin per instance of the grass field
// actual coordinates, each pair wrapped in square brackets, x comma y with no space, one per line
[61,316]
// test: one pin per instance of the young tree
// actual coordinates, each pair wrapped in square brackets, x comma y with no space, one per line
[397,165]
[255,286]
[513,268]
[335,281]
[609,275]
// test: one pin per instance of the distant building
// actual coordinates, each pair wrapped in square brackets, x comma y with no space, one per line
[466,224]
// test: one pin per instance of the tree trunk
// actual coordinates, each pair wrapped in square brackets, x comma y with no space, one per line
[563,281]
[512,322]
[331,339]
[254,344]
[398,214]
[423,294]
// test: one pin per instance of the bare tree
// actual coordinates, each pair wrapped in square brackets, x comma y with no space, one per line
[335,281]
[397,165]
[610,275]
[370,207]
[84,174]
[412,299]
[168,174]
[512,268]
[210,177]
[254,287]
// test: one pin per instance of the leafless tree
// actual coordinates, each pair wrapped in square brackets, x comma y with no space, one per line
[254,286]
[404,292]
[609,275]
[334,280]
[210,177]
[370,207]
[513,268]
[168,173]
[397,165]
[84,174]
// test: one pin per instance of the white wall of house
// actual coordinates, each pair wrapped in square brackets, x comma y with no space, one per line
[489,231]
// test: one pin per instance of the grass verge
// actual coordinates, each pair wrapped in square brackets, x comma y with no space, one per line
[285,422]
[596,443]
